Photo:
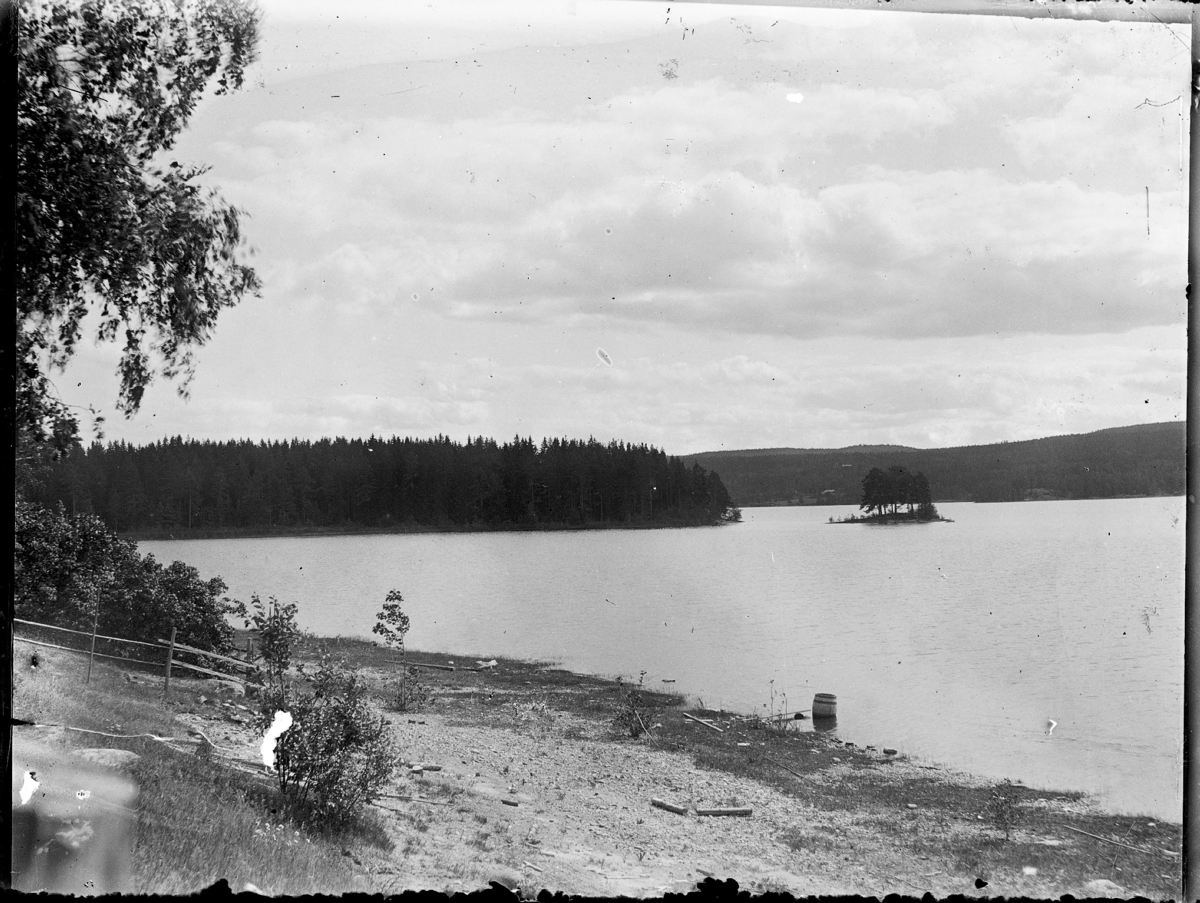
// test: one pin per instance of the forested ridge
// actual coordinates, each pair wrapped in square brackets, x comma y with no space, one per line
[183,487]
[1144,460]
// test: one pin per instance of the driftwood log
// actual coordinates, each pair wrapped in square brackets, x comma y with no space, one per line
[705,722]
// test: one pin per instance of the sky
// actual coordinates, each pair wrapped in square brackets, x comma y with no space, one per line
[700,227]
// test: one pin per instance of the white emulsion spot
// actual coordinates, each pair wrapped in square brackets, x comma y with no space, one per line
[795,98]
[28,788]
[283,720]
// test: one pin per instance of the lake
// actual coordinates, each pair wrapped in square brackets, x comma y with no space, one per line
[958,642]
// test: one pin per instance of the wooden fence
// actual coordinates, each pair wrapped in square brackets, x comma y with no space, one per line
[169,646]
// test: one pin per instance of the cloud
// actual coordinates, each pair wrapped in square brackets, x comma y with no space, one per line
[937,245]
[709,204]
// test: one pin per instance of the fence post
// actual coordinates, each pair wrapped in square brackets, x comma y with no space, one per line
[170,655]
[92,653]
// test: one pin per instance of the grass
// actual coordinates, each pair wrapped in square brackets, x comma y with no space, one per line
[232,827]
[198,822]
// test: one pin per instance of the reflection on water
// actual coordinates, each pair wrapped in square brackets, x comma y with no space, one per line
[957,641]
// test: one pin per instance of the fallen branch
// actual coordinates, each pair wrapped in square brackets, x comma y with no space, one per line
[1115,843]
[670,807]
[410,799]
[530,865]
[719,730]
[740,811]
[784,767]
[789,716]
[393,661]
[646,729]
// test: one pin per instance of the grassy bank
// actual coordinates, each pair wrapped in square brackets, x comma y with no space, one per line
[827,817]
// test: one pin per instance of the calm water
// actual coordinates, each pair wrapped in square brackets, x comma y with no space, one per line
[954,641]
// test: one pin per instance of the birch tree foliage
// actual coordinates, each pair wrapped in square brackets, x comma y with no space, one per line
[105,220]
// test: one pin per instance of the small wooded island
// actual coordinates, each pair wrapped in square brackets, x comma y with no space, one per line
[886,492]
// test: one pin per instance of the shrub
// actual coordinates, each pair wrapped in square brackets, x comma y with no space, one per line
[73,572]
[337,756]
[408,693]
[1002,807]
[630,718]
[278,637]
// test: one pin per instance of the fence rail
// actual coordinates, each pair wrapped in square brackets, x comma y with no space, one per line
[86,633]
[241,663]
[169,647]
[118,658]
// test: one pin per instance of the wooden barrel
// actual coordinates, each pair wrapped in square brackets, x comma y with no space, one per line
[824,706]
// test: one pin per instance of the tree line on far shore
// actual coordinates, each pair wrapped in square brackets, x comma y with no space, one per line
[180,487]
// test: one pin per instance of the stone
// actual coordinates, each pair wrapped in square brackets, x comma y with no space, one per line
[888,751]
[1102,887]
[503,876]
[232,687]
[116,759]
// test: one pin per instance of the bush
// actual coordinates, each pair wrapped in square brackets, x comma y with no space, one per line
[337,756]
[408,693]
[1002,807]
[631,714]
[278,637]
[73,571]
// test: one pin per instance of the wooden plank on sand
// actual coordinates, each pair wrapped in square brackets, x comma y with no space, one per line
[740,811]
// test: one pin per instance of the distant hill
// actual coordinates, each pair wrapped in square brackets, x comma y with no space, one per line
[761,452]
[1143,460]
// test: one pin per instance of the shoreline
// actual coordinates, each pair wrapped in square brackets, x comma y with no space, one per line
[142,536]
[681,700]
[400,530]
[534,776]
[1082,498]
